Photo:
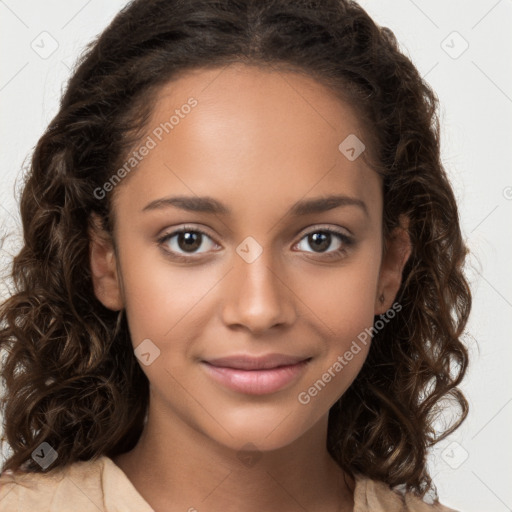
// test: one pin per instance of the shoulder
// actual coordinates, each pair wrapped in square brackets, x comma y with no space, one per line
[84,486]
[56,489]
[374,496]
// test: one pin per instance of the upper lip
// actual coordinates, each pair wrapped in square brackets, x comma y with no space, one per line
[248,362]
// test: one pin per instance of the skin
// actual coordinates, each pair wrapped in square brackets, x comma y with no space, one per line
[258,141]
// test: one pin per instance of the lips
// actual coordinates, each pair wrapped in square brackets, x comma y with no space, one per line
[247,362]
[256,375]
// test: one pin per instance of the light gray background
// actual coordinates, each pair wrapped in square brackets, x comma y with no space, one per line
[472,469]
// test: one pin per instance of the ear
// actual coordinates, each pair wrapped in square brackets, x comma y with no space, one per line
[104,266]
[393,261]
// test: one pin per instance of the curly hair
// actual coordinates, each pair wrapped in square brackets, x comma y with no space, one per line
[70,373]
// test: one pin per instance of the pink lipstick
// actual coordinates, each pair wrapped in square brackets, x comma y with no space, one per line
[256,375]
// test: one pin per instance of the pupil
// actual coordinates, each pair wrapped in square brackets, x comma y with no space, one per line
[320,240]
[192,240]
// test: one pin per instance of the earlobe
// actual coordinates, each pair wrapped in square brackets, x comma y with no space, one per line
[393,262]
[103,266]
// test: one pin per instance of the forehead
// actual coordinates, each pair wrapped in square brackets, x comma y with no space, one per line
[256,139]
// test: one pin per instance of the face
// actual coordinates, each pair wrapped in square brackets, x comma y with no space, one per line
[253,262]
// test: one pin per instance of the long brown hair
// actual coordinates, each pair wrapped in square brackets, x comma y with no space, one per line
[70,374]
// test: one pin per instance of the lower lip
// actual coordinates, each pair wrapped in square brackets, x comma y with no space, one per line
[256,382]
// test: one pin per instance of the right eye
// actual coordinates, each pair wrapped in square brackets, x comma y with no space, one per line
[186,239]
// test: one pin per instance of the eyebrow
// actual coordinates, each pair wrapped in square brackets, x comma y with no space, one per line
[207,204]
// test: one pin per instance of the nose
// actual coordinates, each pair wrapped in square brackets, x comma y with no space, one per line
[258,296]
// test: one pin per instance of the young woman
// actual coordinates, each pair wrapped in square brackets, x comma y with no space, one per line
[241,282]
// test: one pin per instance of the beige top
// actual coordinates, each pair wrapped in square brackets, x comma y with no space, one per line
[101,485]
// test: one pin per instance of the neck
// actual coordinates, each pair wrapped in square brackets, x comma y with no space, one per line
[184,469]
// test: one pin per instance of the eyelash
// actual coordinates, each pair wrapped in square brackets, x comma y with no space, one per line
[346,240]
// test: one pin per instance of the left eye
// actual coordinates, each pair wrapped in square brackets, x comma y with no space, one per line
[322,240]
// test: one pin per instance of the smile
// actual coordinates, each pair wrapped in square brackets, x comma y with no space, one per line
[256,381]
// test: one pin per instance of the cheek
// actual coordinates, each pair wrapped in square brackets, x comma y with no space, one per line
[343,298]
[160,297]
[341,306]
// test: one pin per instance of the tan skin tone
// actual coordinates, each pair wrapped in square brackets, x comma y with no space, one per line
[258,141]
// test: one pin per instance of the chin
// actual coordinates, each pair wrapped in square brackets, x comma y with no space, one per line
[272,429]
